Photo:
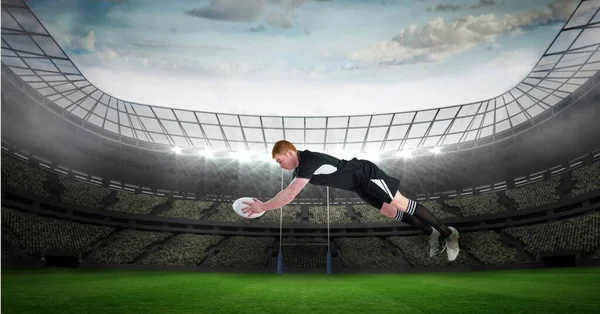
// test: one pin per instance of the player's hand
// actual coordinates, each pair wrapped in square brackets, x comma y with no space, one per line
[253,208]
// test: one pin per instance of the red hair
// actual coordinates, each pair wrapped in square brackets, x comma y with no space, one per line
[281,147]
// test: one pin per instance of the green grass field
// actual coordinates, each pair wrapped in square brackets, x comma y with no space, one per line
[565,290]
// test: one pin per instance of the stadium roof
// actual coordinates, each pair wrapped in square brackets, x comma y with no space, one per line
[568,62]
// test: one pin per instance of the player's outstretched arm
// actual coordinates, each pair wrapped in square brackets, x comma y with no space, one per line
[287,195]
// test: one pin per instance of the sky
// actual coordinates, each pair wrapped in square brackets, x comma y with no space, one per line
[304,57]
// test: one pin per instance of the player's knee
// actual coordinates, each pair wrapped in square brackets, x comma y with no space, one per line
[388,210]
[400,202]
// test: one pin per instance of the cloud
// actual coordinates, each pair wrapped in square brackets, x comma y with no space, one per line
[441,7]
[439,39]
[257,29]
[231,10]
[484,3]
[453,7]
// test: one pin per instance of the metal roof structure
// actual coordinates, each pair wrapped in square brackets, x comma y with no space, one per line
[29,51]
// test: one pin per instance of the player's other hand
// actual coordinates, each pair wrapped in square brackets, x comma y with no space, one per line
[253,208]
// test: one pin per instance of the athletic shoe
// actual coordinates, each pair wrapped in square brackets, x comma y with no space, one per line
[452,246]
[434,242]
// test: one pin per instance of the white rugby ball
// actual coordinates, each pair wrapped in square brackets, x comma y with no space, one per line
[238,205]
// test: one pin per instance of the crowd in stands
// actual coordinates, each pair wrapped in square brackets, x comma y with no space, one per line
[369,252]
[141,204]
[22,176]
[127,245]
[536,194]
[337,215]
[186,209]
[243,252]
[587,179]
[580,233]
[416,250]
[304,252]
[290,215]
[182,250]
[368,214]
[25,234]
[36,233]
[11,249]
[82,194]
[487,247]
[483,204]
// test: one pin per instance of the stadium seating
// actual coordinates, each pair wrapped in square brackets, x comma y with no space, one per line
[127,245]
[82,194]
[305,256]
[489,248]
[186,209]
[437,209]
[536,194]
[11,249]
[484,204]
[572,234]
[365,253]
[291,215]
[22,176]
[587,179]
[337,215]
[38,234]
[369,214]
[182,250]
[416,251]
[243,252]
[140,204]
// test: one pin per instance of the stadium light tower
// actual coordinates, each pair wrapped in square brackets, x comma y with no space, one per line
[176,149]
[436,150]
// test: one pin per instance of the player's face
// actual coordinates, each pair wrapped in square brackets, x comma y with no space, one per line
[284,161]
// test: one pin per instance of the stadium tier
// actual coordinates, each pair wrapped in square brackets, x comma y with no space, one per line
[42,183]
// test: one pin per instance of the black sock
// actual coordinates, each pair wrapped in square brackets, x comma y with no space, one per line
[413,221]
[419,211]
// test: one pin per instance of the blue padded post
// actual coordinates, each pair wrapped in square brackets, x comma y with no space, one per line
[328,263]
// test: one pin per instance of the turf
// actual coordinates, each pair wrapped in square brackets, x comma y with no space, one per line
[564,290]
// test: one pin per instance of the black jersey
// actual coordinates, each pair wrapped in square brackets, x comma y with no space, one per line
[323,169]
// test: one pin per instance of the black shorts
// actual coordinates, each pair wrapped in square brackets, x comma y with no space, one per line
[375,186]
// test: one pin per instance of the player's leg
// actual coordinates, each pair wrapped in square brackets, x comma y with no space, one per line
[380,185]
[449,234]
[391,212]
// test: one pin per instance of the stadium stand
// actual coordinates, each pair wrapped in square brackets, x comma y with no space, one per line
[337,215]
[368,214]
[22,176]
[141,204]
[182,250]
[587,179]
[243,252]
[536,194]
[82,194]
[186,209]
[437,209]
[369,252]
[127,245]
[36,234]
[304,256]
[572,234]
[484,204]
[291,215]
[416,251]
[488,247]
[11,249]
